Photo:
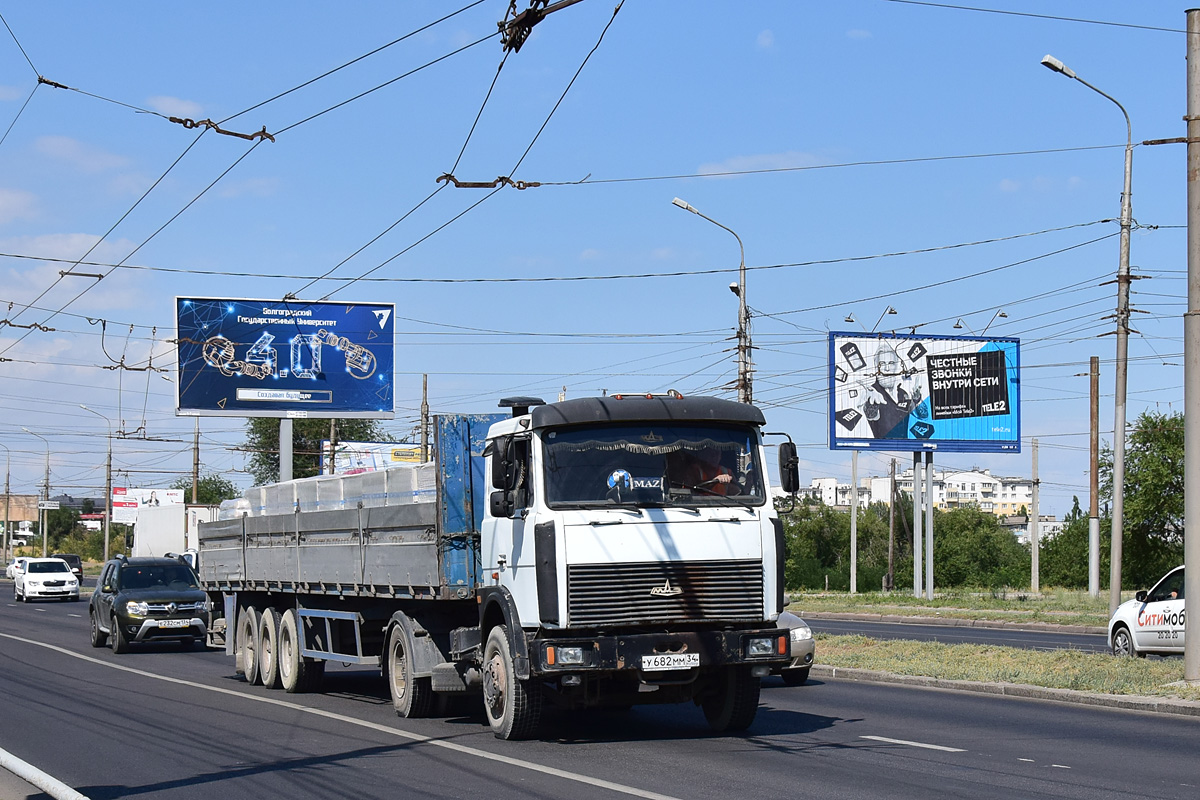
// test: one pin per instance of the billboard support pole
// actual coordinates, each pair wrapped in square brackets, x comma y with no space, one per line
[285,449]
[854,522]
[917,585]
[929,524]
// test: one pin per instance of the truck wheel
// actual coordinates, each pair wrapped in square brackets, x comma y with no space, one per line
[120,644]
[513,706]
[735,703]
[412,697]
[99,637]
[296,673]
[268,649]
[247,644]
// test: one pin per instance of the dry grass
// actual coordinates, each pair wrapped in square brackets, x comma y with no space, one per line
[1059,669]
[1050,605]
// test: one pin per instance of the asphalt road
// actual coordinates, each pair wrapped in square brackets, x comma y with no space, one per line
[161,723]
[1008,637]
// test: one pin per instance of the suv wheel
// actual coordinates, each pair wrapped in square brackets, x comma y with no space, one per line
[120,644]
[99,637]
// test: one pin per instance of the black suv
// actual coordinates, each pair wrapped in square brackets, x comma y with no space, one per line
[74,562]
[147,599]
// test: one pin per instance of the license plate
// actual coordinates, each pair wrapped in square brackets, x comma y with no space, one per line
[173,623]
[667,661]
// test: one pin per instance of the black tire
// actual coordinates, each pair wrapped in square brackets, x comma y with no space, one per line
[1122,644]
[246,648]
[733,706]
[297,674]
[412,697]
[117,638]
[268,649]
[795,677]
[513,706]
[99,637]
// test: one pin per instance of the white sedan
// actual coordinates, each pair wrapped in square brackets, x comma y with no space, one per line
[1152,622]
[17,566]
[45,577]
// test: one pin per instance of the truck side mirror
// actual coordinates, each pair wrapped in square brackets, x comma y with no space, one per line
[502,454]
[500,503]
[789,467]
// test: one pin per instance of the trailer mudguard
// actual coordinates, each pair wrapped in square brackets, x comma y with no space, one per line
[424,650]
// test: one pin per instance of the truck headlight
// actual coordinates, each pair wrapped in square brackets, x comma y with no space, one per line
[135,609]
[761,647]
[800,634]
[570,655]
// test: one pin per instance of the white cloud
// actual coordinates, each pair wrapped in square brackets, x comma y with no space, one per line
[174,107]
[591,254]
[251,187]
[10,93]
[1009,185]
[16,204]
[662,253]
[26,278]
[766,40]
[789,160]
[78,154]
[859,33]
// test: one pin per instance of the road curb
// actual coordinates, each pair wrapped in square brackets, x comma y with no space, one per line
[954,622]
[1159,705]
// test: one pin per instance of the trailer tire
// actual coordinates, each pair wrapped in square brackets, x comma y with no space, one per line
[268,648]
[412,697]
[513,706]
[247,644]
[735,703]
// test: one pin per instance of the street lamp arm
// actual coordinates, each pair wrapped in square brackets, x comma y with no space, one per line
[1128,124]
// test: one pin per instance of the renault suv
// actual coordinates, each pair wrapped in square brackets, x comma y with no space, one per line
[146,600]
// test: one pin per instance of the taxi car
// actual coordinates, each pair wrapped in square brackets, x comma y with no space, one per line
[802,648]
[1152,622]
[45,578]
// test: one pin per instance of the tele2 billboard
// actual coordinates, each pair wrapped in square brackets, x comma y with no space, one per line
[908,392]
[271,358]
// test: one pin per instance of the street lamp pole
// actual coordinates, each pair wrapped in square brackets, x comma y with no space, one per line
[7,502]
[107,480]
[1122,365]
[745,388]
[43,514]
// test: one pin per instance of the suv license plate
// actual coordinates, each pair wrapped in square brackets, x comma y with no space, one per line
[173,623]
[670,661]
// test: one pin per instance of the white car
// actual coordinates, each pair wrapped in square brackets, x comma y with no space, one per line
[17,566]
[1152,622]
[45,577]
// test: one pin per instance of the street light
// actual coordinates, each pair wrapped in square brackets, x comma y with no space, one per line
[960,324]
[43,515]
[1122,366]
[107,478]
[886,311]
[744,389]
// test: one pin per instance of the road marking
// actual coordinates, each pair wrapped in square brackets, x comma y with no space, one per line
[415,737]
[1059,766]
[1030,760]
[77,616]
[914,744]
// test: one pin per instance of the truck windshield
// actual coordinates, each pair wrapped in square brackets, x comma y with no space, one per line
[653,465]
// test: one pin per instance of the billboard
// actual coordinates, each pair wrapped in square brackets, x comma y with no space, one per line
[271,358]
[126,502]
[908,392]
[354,457]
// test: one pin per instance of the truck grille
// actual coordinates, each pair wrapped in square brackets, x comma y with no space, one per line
[622,594]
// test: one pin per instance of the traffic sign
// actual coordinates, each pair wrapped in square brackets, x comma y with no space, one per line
[48,505]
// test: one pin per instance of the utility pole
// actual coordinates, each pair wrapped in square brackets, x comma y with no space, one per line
[195,462]
[333,446]
[1094,486]
[1191,351]
[1034,525]
[891,573]
[854,522]
[424,418]
[108,495]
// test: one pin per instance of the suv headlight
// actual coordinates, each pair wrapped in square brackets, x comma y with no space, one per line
[135,609]
[800,634]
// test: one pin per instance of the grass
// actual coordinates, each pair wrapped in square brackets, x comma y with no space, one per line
[1059,669]
[1063,606]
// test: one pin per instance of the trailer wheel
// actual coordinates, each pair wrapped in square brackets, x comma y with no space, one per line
[412,697]
[268,649]
[735,703]
[247,644]
[513,706]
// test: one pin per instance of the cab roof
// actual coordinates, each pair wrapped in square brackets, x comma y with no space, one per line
[638,408]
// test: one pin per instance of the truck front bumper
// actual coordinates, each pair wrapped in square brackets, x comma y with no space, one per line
[661,656]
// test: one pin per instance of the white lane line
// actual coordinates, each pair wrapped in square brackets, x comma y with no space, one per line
[1030,760]
[915,744]
[415,737]
[1059,766]
[77,616]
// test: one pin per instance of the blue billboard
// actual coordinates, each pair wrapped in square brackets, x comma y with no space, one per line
[893,391]
[284,358]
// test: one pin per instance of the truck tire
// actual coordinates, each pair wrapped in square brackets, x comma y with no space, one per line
[247,644]
[412,697]
[119,642]
[99,637]
[735,703]
[268,648]
[297,674]
[513,706]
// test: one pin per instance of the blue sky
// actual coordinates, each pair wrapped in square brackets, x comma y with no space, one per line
[856,129]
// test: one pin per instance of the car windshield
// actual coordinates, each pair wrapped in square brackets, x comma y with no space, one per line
[172,576]
[652,465]
[47,566]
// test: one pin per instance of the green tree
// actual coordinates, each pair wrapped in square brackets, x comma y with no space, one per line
[971,549]
[1153,518]
[211,488]
[262,440]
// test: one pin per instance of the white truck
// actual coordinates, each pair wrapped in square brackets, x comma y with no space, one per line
[169,529]
[566,554]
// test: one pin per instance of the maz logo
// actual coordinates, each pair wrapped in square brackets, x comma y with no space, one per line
[666,590]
